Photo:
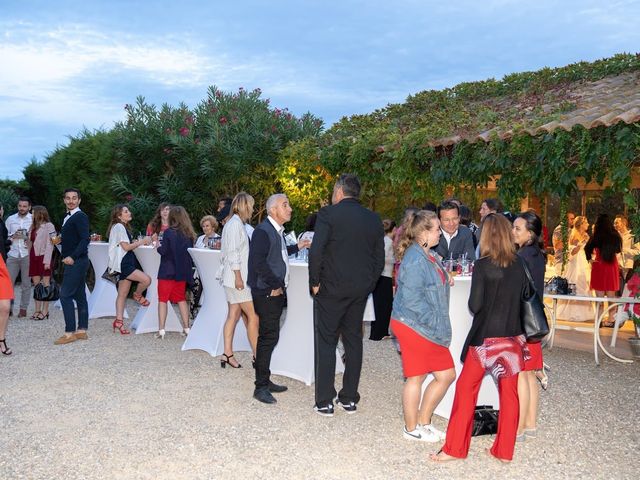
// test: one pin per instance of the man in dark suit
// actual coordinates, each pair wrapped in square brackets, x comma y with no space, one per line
[75,247]
[345,261]
[456,240]
[268,277]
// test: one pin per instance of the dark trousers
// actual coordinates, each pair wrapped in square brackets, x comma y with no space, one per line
[382,305]
[73,288]
[269,309]
[334,317]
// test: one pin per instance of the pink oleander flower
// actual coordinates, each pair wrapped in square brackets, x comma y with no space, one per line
[128,197]
[188,120]
[184,131]
[223,120]
[168,130]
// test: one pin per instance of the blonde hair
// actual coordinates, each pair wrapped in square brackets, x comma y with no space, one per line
[421,221]
[575,232]
[211,219]
[242,205]
[496,240]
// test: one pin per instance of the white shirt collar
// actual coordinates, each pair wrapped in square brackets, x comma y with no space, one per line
[279,228]
[449,237]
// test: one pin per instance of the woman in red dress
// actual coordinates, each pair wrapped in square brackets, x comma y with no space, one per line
[601,250]
[6,295]
[40,255]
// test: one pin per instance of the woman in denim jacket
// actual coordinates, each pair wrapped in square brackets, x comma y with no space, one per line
[420,321]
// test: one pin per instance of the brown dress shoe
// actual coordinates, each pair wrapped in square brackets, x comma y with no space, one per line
[81,336]
[22,313]
[65,339]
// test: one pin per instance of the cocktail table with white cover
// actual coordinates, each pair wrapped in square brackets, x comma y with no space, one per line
[207,330]
[294,355]
[102,301]
[461,320]
[146,319]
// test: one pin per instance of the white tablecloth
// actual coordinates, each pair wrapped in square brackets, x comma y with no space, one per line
[147,317]
[102,301]
[460,325]
[206,332]
[293,356]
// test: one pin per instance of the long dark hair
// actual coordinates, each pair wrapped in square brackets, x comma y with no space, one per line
[115,217]
[605,238]
[496,240]
[156,221]
[179,220]
[533,224]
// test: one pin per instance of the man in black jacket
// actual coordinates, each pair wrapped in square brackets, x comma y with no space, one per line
[75,248]
[268,277]
[345,262]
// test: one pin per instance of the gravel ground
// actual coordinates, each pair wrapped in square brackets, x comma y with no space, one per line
[136,407]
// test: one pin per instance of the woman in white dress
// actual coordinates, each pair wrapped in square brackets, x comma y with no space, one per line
[235,266]
[578,272]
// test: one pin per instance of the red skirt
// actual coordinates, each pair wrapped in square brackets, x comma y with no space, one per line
[535,362]
[6,285]
[605,276]
[419,355]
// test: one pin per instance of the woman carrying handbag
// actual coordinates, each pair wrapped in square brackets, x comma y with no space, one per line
[123,260]
[40,256]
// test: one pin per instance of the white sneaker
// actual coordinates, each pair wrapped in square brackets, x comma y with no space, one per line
[420,435]
[430,428]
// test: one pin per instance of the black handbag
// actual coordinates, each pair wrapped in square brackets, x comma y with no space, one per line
[44,293]
[559,285]
[485,421]
[532,314]
[111,276]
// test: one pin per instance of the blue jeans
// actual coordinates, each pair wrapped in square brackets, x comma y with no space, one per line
[73,288]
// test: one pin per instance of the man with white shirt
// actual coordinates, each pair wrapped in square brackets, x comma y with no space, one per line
[18,227]
[456,240]
[268,278]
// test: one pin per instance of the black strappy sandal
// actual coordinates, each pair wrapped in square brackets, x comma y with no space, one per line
[6,350]
[225,361]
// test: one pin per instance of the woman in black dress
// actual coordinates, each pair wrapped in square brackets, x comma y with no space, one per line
[123,260]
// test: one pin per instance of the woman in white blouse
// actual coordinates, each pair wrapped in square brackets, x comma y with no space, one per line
[235,265]
[209,225]
[123,260]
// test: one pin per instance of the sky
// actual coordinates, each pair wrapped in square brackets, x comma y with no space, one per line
[67,65]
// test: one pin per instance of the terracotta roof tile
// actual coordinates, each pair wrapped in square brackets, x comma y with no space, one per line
[605,102]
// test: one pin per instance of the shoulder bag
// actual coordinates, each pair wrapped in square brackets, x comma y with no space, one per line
[111,276]
[532,315]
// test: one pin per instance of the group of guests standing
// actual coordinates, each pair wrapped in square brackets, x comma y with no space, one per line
[27,252]
[495,344]
[597,260]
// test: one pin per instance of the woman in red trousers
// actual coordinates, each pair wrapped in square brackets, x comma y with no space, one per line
[495,344]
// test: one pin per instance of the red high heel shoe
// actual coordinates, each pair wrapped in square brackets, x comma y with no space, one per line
[143,302]
[118,323]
